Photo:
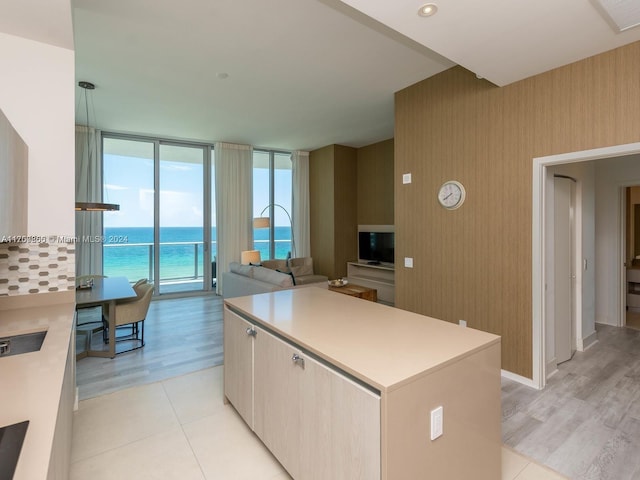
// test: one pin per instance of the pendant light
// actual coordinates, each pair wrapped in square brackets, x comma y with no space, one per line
[92,206]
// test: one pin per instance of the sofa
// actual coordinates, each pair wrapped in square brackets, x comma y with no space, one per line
[271,276]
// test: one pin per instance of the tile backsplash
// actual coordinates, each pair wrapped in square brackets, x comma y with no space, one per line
[37,267]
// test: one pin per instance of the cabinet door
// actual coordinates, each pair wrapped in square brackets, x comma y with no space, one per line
[238,364]
[60,459]
[340,426]
[316,422]
[277,382]
[13,180]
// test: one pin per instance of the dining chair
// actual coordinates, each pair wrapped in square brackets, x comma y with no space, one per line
[131,314]
[88,319]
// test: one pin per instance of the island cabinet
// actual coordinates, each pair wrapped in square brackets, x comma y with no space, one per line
[238,375]
[314,420]
[344,389]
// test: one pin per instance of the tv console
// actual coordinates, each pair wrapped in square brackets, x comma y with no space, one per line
[380,277]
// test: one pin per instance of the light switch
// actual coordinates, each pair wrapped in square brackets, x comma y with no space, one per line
[436,422]
[406,178]
[408,262]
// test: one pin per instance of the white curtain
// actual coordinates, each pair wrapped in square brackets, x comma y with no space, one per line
[234,205]
[300,203]
[88,189]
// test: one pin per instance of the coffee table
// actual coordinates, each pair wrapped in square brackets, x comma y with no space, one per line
[359,291]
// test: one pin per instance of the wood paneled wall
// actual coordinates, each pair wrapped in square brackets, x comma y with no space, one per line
[321,208]
[375,184]
[333,209]
[345,209]
[474,263]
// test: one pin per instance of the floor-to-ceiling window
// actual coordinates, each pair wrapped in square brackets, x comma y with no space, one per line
[162,231]
[128,176]
[181,218]
[272,186]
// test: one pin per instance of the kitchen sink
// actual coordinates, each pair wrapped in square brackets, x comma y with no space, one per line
[11,439]
[17,344]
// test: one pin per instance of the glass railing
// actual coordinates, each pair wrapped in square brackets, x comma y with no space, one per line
[180,262]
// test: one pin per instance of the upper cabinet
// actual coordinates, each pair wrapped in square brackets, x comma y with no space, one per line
[13,182]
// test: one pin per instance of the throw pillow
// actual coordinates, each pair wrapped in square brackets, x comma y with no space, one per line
[245,270]
[271,276]
[280,265]
[302,270]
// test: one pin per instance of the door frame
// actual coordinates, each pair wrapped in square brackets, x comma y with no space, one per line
[207,186]
[538,254]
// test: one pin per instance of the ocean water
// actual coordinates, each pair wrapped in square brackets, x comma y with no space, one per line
[129,251]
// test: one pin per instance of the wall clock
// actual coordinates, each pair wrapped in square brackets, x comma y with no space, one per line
[451,195]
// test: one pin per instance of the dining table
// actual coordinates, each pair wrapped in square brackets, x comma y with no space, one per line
[105,291]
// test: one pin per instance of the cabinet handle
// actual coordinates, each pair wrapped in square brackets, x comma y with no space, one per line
[298,360]
[252,332]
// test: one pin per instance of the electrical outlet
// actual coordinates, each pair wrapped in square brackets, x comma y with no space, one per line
[437,420]
[406,178]
[462,323]
[408,262]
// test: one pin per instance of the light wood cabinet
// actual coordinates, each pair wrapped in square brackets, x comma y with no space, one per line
[315,421]
[340,426]
[60,460]
[380,277]
[343,389]
[277,396]
[13,182]
[238,374]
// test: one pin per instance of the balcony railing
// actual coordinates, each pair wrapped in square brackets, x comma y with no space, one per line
[180,262]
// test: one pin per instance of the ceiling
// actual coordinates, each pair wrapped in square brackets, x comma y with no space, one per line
[300,74]
[508,40]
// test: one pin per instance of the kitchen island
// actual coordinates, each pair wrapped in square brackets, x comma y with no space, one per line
[344,389]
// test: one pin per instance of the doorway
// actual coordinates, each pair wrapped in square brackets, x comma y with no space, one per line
[632,257]
[599,299]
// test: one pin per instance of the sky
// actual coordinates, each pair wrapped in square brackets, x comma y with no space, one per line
[129,183]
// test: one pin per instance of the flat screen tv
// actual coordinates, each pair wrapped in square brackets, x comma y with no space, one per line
[376,244]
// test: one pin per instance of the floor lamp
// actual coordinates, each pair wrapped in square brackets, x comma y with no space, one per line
[265,222]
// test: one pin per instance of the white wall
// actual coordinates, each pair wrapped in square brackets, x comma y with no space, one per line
[37,95]
[611,175]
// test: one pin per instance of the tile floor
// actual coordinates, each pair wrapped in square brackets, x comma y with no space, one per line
[180,428]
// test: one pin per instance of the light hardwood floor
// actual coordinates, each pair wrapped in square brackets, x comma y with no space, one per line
[182,335]
[586,423]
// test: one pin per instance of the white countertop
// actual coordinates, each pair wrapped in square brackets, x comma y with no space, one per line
[31,383]
[383,346]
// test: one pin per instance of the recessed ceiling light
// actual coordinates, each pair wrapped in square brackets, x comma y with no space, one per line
[428,10]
